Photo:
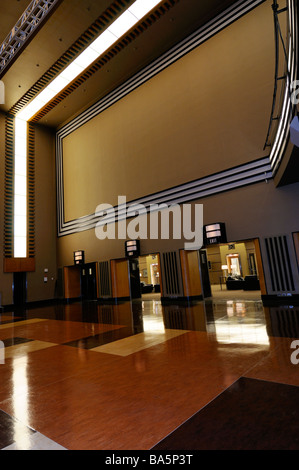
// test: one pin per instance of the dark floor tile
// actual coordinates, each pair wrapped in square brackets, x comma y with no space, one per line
[11,430]
[249,415]
[100,339]
[283,321]
[14,341]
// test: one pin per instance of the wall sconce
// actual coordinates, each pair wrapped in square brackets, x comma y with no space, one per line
[132,248]
[214,234]
[79,257]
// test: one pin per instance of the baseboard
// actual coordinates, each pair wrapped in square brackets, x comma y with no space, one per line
[272,300]
[180,299]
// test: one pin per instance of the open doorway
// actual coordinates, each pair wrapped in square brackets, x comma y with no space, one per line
[233,270]
[150,276]
[89,282]
[233,263]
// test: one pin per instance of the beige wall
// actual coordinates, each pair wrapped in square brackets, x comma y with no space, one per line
[45,218]
[207,112]
[251,212]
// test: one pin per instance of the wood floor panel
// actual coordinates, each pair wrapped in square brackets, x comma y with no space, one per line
[124,377]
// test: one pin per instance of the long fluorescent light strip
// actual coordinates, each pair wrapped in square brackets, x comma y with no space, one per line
[116,30]
[20,189]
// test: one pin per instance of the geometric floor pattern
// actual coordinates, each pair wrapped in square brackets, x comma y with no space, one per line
[144,376]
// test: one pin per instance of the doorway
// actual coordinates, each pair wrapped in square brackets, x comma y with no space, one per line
[233,263]
[205,278]
[135,286]
[235,270]
[89,282]
[150,276]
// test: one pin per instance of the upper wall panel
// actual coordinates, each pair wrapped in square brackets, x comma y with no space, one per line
[205,113]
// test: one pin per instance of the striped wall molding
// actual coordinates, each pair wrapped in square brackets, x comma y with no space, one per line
[287,53]
[283,274]
[252,172]
[244,175]
[31,190]
[9,187]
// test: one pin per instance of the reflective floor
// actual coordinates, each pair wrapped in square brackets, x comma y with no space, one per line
[218,374]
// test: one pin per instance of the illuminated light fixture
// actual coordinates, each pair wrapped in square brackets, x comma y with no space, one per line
[214,234]
[132,248]
[224,268]
[20,189]
[104,41]
[125,22]
[86,58]
[141,8]
[72,70]
[117,29]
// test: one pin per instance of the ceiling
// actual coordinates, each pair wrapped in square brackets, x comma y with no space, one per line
[67,23]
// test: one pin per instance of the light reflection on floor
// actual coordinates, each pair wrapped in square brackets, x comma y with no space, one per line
[239,322]
[229,321]
[91,363]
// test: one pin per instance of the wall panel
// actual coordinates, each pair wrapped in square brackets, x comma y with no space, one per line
[205,113]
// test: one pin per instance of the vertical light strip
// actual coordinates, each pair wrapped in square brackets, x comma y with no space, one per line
[117,29]
[20,189]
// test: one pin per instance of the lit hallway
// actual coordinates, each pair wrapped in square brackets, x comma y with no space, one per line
[126,376]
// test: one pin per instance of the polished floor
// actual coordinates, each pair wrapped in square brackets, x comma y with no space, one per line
[218,374]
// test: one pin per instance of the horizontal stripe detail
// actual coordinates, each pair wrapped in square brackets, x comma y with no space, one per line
[253,172]
[250,173]
[183,48]
[287,109]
